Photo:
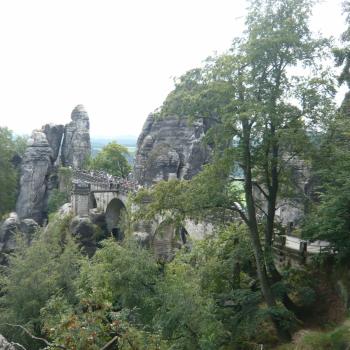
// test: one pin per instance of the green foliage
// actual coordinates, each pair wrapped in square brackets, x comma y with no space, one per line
[336,339]
[222,293]
[36,273]
[20,145]
[261,117]
[56,200]
[198,301]
[117,297]
[117,272]
[112,158]
[8,174]
[208,194]
[261,111]
[329,217]
[342,54]
[65,179]
[185,313]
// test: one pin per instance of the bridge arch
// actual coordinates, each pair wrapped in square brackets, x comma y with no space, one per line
[115,214]
[166,238]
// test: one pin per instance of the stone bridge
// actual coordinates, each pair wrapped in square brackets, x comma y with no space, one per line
[103,193]
[97,190]
[107,194]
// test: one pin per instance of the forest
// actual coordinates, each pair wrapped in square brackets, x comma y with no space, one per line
[270,105]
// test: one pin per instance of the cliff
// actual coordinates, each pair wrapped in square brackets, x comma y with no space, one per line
[170,147]
[48,147]
[76,147]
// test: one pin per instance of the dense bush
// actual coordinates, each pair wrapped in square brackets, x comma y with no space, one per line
[47,268]
[201,300]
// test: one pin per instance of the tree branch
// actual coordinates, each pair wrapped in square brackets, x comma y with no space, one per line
[261,190]
[255,184]
[34,337]
[260,208]
[19,345]
[241,213]
[110,343]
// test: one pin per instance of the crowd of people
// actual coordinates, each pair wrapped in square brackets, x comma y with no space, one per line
[112,182]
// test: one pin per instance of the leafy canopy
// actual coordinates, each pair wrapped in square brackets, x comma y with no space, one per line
[9,147]
[112,158]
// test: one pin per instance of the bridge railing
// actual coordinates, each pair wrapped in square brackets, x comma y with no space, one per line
[105,181]
[297,249]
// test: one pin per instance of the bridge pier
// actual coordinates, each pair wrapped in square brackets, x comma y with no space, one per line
[80,199]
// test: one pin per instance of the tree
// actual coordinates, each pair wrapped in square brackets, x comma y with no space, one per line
[263,112]
[342,55]
[47,268]
[112,159]
[117,298]
[8,174]
[330,216]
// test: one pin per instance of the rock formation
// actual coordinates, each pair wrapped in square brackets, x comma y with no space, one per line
[170,147]
[5,345]
[35,169]
[84,231]
[8,230]
[47,148]
[54,134]
[39,165]
[76,146]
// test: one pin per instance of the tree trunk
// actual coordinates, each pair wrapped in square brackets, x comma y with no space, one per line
[254,232]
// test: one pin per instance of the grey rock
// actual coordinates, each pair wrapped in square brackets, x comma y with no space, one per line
[54,134]
[98,218]
[76,147]
[291,210]
[5,345]
[8,231]
[28,227]
[35,169]
[46,148]
[170,148]
[65,210]
[84,231]
[16,161]
[143,238]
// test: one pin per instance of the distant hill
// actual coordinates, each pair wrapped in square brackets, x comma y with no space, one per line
[97,143]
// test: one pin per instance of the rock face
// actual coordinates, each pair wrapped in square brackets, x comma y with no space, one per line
[169,148]
[84,232]
[76,146]
[44,152]
[28,227]
[5,345]
[8,230]
[291,211]
[35,169]
[54,134]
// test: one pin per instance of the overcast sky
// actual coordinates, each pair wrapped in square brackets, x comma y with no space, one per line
[117,57]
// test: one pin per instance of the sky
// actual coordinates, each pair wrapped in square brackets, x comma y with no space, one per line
[116,57]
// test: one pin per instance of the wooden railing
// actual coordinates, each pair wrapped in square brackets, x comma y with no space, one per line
[297,249]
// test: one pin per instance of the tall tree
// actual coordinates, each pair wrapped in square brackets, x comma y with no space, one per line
[112,158]
[264,102]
